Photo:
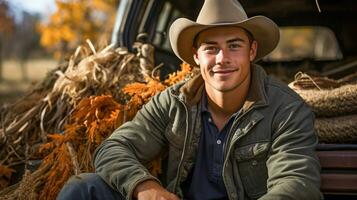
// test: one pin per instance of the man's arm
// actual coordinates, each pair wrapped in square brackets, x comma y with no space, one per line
[120,160]
[293,166]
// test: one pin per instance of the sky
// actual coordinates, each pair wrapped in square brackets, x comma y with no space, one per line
[42,7]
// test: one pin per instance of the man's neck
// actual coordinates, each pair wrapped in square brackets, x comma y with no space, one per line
[222,105]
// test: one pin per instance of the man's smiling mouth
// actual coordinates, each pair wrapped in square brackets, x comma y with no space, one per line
[223,71]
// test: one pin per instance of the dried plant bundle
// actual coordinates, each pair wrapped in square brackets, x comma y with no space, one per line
[70,114]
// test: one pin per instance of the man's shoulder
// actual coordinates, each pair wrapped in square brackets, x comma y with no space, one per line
[171,92]
[282,98]
[281,90]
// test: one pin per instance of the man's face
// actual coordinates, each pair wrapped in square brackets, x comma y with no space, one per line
[224,55]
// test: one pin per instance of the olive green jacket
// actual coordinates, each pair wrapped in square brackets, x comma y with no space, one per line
[270,151]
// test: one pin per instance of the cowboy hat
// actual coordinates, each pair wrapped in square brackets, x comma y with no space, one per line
[222,13]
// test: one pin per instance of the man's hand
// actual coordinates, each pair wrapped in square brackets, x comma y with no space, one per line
[152,190]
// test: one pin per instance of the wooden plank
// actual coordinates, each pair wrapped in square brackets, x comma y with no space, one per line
[338,159]
[339,183]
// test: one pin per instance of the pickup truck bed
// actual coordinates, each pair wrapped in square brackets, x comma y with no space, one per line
[339,170]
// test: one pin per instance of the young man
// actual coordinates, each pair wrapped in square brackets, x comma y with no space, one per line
[230,133]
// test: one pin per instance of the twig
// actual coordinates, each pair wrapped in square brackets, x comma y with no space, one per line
[5,159]
[86,154]
[155,69]
[6,191]
[12,152]
[91,46]
[2,130]
[3,137]
[318,6]
[29,114]
[126,61]
[74,159]
[26,150]
[107,48]
[78,50]
[43,132]
[16,163]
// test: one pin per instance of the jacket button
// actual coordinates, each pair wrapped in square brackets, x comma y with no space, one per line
[184,173]
[187,166]
[254,162]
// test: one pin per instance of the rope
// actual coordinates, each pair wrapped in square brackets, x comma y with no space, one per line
[300,76]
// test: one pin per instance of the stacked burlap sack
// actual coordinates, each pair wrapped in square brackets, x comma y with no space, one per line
[334,103]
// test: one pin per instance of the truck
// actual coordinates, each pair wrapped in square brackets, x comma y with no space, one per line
[316,37]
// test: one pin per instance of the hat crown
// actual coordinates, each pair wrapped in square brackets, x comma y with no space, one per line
[221,11]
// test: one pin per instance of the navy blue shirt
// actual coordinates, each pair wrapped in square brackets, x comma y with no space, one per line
[205,181]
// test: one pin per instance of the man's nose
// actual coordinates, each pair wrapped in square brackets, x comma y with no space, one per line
[222,57]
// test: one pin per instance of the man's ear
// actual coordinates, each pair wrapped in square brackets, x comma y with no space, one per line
[195,56]
[253,50]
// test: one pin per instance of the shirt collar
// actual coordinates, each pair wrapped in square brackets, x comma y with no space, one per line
[204,104]
[204,101]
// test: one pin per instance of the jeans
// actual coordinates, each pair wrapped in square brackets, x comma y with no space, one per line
[89,186]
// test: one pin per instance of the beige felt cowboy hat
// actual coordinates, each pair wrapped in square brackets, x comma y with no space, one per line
[222,13]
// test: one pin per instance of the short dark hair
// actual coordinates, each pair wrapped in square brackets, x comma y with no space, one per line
[248,33]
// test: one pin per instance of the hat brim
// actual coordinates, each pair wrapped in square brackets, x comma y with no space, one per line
[183,31]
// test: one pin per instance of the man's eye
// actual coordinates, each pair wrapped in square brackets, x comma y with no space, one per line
[210,48]
[234,46]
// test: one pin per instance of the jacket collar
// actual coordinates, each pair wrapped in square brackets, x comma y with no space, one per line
[257,94]
[191,91]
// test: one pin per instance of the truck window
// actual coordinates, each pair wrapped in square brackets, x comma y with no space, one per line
[310,42]
[167,15]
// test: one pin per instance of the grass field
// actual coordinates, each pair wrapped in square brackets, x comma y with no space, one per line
[14,83]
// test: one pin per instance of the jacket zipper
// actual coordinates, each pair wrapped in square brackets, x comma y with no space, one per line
[184,147]
[234,126]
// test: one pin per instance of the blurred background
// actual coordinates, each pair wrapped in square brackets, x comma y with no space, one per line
[37,35]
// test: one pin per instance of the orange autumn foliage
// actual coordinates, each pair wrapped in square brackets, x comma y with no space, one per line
[5,175]
[100,115]
[69,153]
[59,168]
[93,119]
[179,76]
[141,93]
[76,21]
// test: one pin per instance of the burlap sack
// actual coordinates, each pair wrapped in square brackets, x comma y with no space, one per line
[336,102]
[337,129]
[327,97]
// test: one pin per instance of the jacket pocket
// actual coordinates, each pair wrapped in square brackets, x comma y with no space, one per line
[251,160]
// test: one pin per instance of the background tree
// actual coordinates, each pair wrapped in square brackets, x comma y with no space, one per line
[27,44]
[74,22]
[7,26]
